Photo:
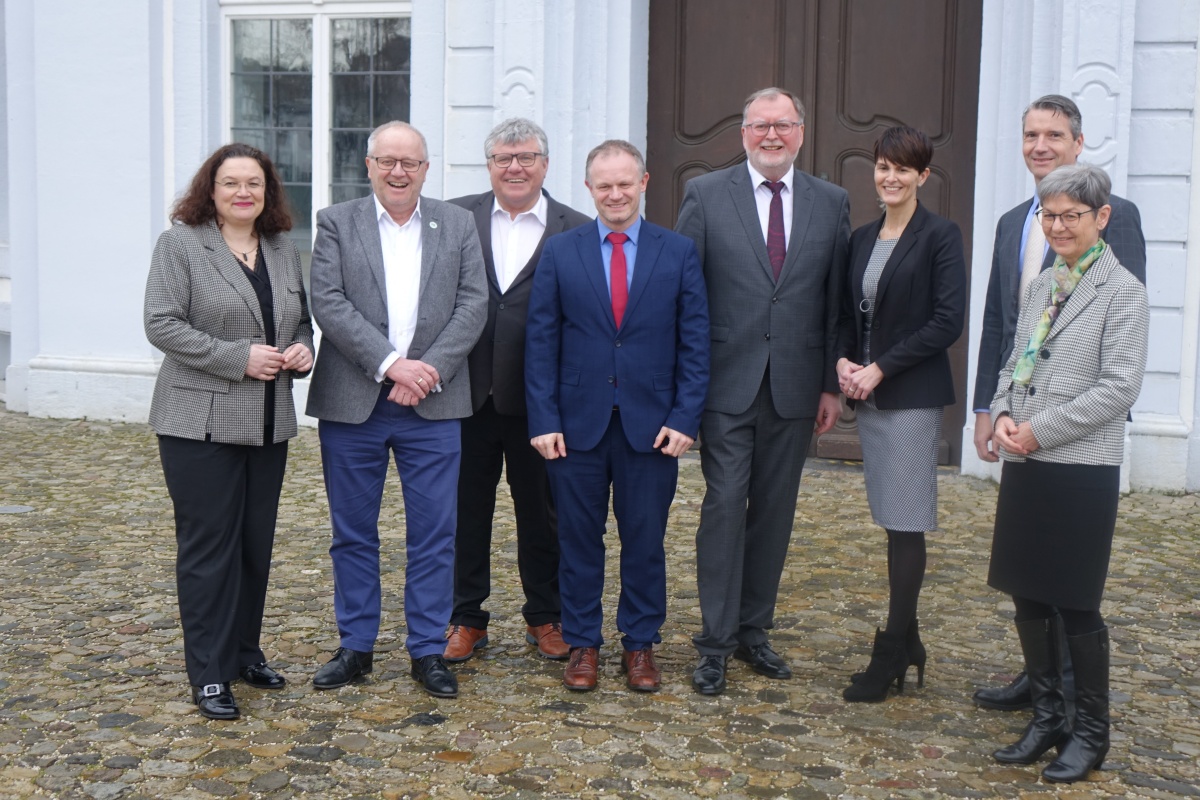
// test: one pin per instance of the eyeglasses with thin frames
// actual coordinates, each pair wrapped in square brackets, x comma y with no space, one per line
[504,160]
[783,127]
[235,186]
[387,163]
[1069,219]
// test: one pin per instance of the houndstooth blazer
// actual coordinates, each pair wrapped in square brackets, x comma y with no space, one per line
[1089,371]
[202,313]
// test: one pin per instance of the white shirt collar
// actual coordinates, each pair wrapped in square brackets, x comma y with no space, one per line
[539,209]
[756,177]
[381,212]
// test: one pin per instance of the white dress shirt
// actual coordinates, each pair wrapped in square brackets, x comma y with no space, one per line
[402,275]
[514,240]
[762,199]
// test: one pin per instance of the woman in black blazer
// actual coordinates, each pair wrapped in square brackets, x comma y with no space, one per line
[903,306]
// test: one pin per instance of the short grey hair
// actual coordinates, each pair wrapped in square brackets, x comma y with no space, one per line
[514,131]
[771,93]
[396,124]
[1058,104]
[614,146]
[1084,183]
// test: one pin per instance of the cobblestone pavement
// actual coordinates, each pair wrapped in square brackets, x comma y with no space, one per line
[94,699]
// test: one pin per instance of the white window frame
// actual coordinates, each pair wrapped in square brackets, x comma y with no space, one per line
[322,12]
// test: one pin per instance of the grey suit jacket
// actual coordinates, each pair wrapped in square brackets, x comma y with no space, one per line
[350,305]
[1089,371]
[1123,235]
[754,321]
[202,313]
[497,362]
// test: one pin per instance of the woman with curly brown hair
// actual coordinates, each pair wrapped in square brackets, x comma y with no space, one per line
[225,304]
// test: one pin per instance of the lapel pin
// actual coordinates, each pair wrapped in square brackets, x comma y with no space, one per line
[432,224]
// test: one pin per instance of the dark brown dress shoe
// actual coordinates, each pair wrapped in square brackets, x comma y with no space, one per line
[462,642]
[548,639]
[643,673]
[582,665]
[260,676]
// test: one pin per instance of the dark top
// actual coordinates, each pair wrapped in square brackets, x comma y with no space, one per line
[260,281]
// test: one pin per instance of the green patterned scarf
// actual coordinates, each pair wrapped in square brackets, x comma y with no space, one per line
[1065,280]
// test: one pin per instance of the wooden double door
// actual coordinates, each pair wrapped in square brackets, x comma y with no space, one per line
[860,66]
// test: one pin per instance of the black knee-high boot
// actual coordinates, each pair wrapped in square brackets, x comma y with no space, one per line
[1048,728]
[1087,746]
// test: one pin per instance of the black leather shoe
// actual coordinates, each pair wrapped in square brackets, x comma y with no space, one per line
[763,660]
[215,701]
[260,676]
[709,677]
[1014,697]
[432,673]
[345,666]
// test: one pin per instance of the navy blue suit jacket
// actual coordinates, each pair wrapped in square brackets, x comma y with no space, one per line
[576,360]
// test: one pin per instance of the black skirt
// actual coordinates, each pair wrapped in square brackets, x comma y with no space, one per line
[1054,532]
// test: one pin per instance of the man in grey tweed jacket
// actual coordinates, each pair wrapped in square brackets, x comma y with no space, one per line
[400,296]
[772,324]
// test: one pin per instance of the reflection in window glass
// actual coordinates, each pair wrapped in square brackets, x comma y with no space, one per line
[370,69]
[272,107]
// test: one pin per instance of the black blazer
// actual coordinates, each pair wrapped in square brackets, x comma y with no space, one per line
[920,306]
[497,362]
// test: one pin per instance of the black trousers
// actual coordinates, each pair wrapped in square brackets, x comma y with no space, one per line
[491,441]
[226,500]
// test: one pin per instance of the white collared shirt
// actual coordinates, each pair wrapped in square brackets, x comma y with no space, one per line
[402,276]
[762,199]
[514,240]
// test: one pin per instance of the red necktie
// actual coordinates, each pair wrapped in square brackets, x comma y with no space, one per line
[617,280]
[776,244]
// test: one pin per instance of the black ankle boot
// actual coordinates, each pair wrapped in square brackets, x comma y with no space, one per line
[1087,746]
[889,662]
[1048,728]
[916,654]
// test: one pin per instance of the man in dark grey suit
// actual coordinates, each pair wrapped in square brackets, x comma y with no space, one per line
[400,296]
[1052,135]
[513,220]
[773,244]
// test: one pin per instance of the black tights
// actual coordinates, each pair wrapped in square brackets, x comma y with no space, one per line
[906,573]
[1076,621]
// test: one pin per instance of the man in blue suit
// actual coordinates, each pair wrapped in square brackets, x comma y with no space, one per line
[616,372]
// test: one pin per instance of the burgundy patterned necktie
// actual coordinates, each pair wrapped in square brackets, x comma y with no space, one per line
[619,287]
[776,244]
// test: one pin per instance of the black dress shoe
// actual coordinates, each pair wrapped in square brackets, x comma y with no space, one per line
[215,701]
[432,673]
[260,676]
[345,666]
[763,660]
[709,677]
[1013,697]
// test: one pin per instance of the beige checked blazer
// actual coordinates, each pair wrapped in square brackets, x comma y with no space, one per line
[202,313]
[1089,371]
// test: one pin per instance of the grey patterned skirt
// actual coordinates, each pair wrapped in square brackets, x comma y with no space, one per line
[900,448]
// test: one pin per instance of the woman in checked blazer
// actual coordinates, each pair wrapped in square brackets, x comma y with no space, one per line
[225,304]
[1060,412]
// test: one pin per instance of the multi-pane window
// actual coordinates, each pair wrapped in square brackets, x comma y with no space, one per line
[309,87]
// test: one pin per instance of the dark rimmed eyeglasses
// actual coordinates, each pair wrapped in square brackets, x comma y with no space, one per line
[1069,219]
[504,160]
[783,127]
[387,163]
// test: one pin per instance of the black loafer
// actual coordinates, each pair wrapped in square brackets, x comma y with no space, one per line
[763,660]
[260,676]
[709,677]
[345,667]
[432,673]
[215,701]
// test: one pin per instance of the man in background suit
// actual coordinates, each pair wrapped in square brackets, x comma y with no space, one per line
[400,296]
[513,220]
[773,242]
[616,370]
[1052,135]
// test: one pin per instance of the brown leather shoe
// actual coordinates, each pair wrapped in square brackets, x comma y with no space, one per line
[580,674]
[548,639]
[644,675]
[462,642]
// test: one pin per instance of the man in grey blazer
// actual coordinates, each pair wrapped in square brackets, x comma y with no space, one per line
[514,220]
[400,297]
[1052,136]
[773,243]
